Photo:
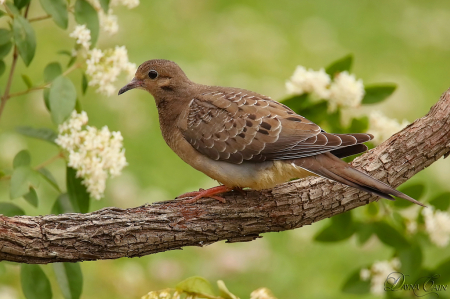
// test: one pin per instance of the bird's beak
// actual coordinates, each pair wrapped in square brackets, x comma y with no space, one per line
[133,84]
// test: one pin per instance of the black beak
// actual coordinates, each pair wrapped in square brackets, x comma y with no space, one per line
[133,84]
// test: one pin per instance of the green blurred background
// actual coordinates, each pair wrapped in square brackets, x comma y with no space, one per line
[254,45]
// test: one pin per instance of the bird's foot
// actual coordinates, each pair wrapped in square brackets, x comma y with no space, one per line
[211,192]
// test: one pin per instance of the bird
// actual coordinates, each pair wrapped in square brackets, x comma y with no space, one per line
[243,139]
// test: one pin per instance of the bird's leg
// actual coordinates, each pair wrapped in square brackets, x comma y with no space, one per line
[211,192]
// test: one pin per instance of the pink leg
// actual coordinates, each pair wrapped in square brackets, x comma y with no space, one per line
[211,192]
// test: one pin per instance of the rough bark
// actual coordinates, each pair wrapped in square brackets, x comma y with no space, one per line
[112,233]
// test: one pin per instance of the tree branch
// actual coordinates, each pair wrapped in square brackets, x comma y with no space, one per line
[112,233]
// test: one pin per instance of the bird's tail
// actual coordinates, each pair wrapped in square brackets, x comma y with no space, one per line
[329,166]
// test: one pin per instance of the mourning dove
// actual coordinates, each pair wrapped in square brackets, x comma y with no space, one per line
[243,139]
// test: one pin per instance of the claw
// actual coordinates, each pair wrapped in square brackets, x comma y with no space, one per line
[211,192]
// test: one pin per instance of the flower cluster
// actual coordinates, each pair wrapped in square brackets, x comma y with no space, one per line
[383,127]
[163,294]
[104,67]
[437,225]
[83,36]
[378,273]
[95,154]
[108,21]
[309,81]
[344,90]
[262,293]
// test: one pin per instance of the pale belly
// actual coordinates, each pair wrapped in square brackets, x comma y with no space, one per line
[257,176]
[262,175]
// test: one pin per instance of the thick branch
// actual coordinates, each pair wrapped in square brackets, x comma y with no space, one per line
[112,233]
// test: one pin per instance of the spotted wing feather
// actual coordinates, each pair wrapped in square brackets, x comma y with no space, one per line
[240,126]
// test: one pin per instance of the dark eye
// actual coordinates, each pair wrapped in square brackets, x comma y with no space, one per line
[152,74]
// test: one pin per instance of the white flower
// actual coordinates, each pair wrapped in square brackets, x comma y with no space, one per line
[262,293]
[383,127]
[128,3]
[411,226]
[95,154]
[437,225]
[364,274]
[2,2]
[346,91]
[309,81]
[83,36]
[108,22]
[379,273]
[104,67]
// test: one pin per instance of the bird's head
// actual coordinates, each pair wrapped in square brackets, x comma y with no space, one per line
[158,77]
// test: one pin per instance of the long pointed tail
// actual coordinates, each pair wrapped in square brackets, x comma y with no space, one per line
[329,166]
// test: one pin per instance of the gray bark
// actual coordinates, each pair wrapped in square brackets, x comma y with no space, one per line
[112,233]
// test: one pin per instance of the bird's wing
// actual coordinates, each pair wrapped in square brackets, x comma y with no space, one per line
[238,126]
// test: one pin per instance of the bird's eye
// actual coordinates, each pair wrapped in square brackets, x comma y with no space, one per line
[152,74]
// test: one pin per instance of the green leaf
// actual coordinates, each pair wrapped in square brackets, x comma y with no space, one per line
[195,285]
[340,65]
[415,191]
[410,259]
[12,8]
[58,10]
[31,197]
[105,5]
[84,83]
[62,97]
[24,38]
[341,228]
[22,158]
[5,49]
[334,121]
[5,36]
[444,270]
[35,284]
[21,3]
[22,179]
[47,98]
[78,107]
[79,197]
[377,93]
[71,61]
[441,202]
[27,81]
[86,14]
[316,112]
[62,205]
[10,210]
[65,52]
[364,232]
[359,125]
[2,13]
[2,67]
[373,208]
[52,71]
[47,175]
[224,292]
[390,236]
[354,284]
[45,134]
[297,102]
[70,279]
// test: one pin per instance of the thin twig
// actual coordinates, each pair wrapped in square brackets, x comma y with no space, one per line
[40,166]
[43,86]
[39,18]
[5,96]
